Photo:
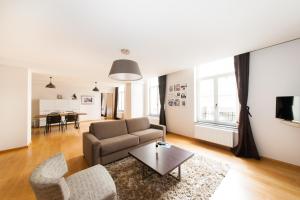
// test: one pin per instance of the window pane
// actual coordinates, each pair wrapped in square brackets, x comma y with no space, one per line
[206,97]
[227,99]
[154,104]
[121,99]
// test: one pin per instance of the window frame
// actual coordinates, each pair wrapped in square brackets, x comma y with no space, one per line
[216,121]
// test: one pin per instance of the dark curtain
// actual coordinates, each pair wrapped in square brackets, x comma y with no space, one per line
[162,83]
[116,103]
[246,146]
[102,114]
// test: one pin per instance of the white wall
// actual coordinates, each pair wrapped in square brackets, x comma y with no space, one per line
[274,72]
[127,101]
[181,119]
[15,106]
[67,89]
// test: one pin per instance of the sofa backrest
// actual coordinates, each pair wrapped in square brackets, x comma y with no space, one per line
[108,129]
[137,124]
[47,179]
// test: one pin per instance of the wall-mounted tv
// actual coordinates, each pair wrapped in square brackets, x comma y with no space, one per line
[288,108]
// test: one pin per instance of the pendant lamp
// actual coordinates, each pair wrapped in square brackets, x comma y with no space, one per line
[95,88]
[124,69]
[50,85]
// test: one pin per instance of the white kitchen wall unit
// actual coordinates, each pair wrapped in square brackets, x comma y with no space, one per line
[215,135]
[47,106]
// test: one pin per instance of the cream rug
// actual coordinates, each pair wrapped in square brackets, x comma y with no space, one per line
[200,177]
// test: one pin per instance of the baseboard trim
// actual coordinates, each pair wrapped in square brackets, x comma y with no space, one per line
[14,149]
[281,162]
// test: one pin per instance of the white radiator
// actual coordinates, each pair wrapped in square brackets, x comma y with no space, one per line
[215,135]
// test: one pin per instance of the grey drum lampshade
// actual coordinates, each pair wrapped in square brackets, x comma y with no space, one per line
[125,70]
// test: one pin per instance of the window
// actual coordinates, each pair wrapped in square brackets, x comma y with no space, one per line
[216,88]
[154,104]
[121,99]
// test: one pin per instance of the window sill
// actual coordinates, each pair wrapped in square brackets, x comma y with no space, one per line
[218,126]
[153,116]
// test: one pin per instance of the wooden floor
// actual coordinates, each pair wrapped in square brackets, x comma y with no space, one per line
[247,179]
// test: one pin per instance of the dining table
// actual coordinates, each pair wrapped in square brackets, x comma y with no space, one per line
[61,114]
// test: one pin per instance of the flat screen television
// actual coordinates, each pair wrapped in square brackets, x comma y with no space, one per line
[288,108]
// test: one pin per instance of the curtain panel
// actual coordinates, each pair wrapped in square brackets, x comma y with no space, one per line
[162,84]
[246,146]
[115,116]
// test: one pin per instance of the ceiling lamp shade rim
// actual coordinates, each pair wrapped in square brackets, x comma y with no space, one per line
[125,70]
[125,76]
[50,85]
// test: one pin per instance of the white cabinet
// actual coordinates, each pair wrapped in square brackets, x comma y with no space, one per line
[47,106]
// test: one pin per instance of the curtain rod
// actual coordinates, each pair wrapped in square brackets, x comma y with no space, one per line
[275,44]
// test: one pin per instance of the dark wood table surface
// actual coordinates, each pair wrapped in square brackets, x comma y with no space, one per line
[61,114]
[165,160]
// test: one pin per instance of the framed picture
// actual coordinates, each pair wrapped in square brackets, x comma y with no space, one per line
[183,86]
[177,87]
[87,100]
[183,95]
[177,102]
[171,88]
[171,102]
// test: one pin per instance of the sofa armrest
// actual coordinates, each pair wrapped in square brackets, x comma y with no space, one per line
[91,148]
[160,127]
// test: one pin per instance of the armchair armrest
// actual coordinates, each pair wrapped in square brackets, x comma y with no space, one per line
[160,127]
[91,148]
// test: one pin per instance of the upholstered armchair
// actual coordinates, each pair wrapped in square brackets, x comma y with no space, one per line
[93,183]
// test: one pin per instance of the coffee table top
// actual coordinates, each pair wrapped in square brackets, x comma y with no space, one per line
[165,160]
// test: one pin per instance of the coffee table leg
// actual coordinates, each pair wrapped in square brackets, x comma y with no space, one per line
[179,172]
[178,177]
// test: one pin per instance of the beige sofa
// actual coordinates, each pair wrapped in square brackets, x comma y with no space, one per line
[112,140]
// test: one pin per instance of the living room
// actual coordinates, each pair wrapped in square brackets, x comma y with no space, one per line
[154,100]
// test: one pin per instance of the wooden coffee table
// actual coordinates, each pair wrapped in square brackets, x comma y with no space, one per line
[164,161]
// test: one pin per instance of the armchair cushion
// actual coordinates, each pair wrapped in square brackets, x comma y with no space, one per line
[148,134]
[92,184]
[118,143]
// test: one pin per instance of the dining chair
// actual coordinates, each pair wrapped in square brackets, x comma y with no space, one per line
[53,118]
[72,117]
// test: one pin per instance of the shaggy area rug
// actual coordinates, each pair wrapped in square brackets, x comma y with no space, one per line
[200,177]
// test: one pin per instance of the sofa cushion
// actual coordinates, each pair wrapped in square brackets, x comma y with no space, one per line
[118,143]
[137,124]
[92,183]
[148,134]
[108,129]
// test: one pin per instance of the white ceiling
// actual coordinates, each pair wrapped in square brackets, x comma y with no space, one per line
[83,37]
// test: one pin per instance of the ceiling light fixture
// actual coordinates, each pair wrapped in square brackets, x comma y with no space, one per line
[50,85]
[125,70]
[95,88]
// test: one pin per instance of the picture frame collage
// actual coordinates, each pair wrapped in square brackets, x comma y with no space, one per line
[177,95]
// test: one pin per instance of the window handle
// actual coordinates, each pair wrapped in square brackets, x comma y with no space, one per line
[216,105]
